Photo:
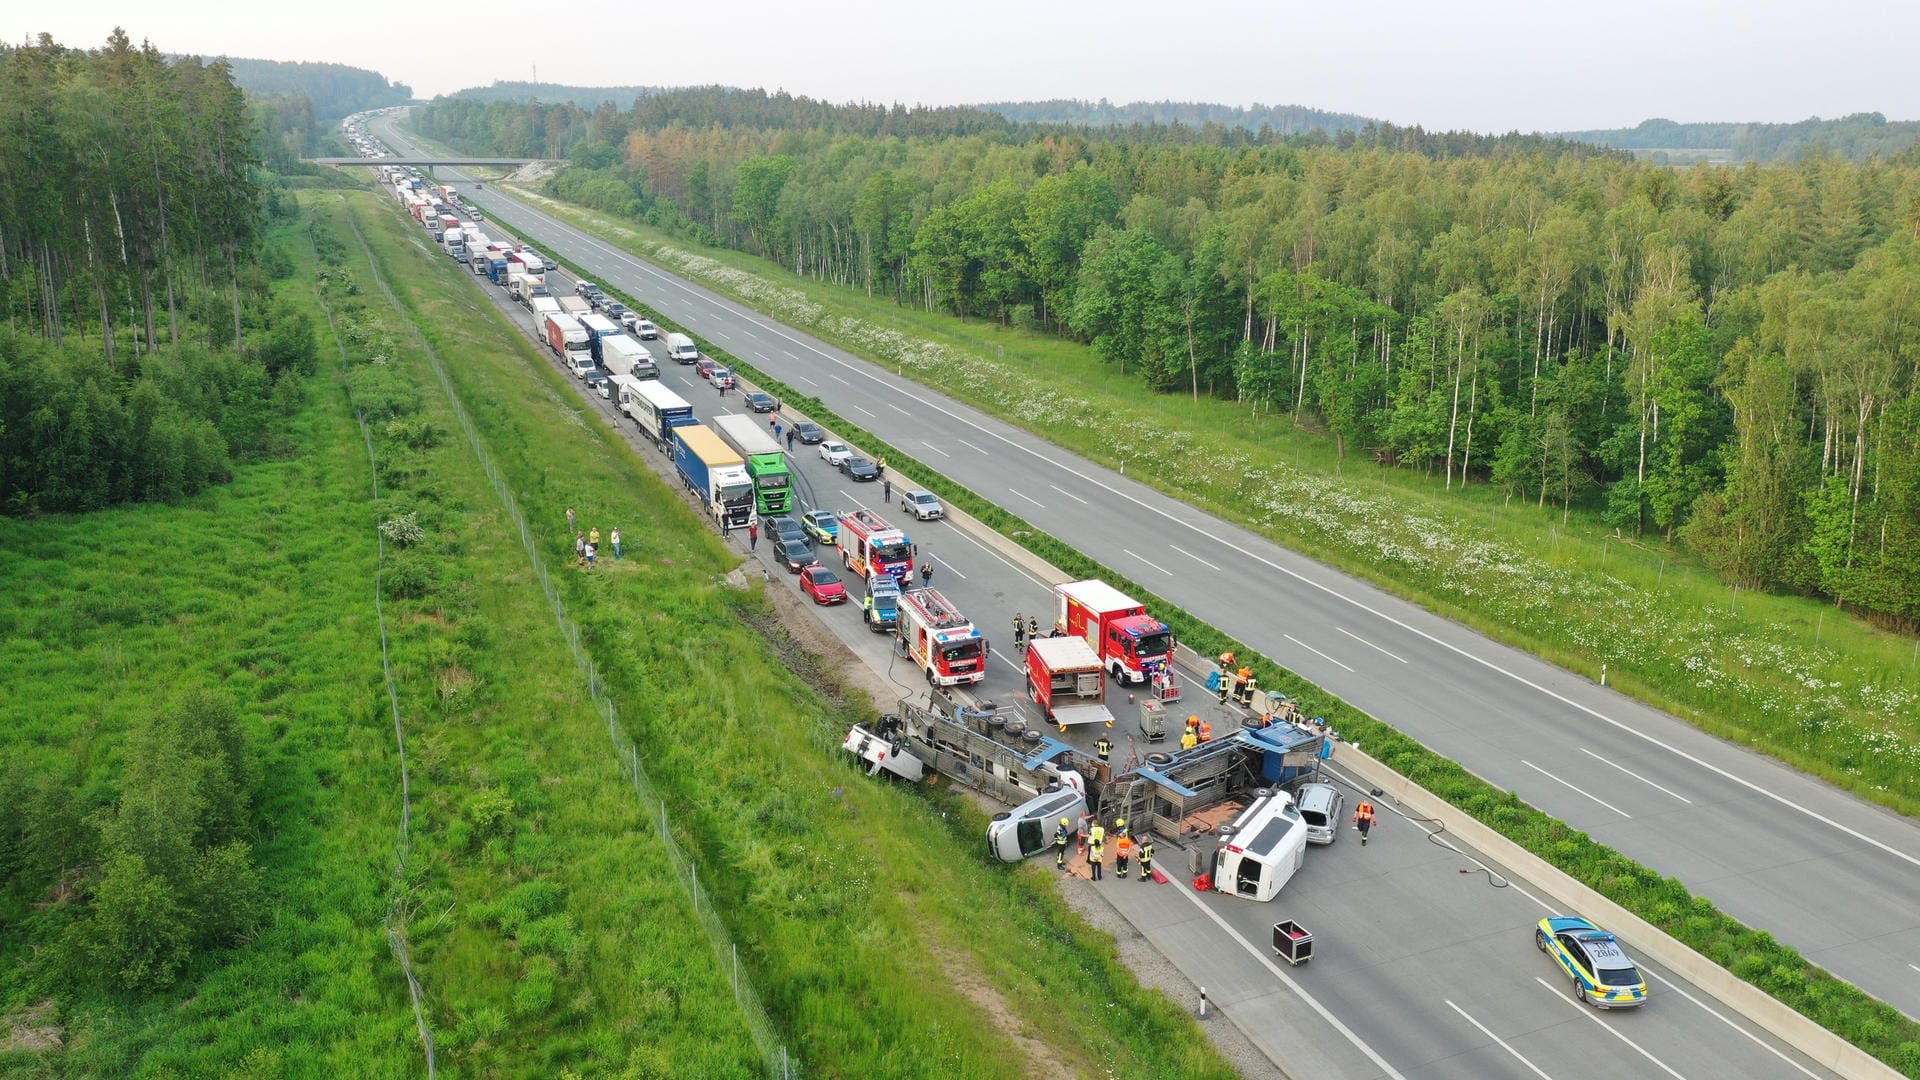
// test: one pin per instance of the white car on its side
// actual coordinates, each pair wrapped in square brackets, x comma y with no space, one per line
[834,452]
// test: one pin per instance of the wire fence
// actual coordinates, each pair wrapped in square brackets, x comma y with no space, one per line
[395,918]
[626,751]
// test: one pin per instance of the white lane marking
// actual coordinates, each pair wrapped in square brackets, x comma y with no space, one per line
[949,566]
[1015,567]
[968,445]
[1192,556]
[1758,1041]
[1369,644]
[1316,652]
[804,379]
[1148,561]
[1002,657]
[898,409]
[1635,775]
[788,355]
[851,405]
[936,449]
[1069,494]
[1287,980]
[838,379]
[1753,786]
[1570,787]
[1029,498]
[1608,1028]
[850,499]
[1503,1043]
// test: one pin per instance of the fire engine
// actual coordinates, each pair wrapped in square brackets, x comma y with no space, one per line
[869,546]
[1132,645]
[941,640]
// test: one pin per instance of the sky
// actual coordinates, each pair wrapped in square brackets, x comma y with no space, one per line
[1481,65]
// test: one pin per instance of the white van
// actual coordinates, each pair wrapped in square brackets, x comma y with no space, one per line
[682,349]
[1027,829]
[1261,849]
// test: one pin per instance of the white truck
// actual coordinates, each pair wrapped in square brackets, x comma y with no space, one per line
[624,356]
[654,409]
[682,350]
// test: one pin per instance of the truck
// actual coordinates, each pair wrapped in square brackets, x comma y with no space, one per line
[575,306]
[654,409]
[870,546]
[567,340]
[883,614]
[543,306]
[624,356]
[715,474]
[766,463]
[682,350]
[1133,646]
[496,268]
[524,287]
[447,193]
[940,640]
[1065,679]
[597,327]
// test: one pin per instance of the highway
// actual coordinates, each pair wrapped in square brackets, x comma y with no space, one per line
[1423,971]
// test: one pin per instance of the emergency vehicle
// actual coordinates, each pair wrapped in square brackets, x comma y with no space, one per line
[1065,679]
[941,640]
[869,546]
[1133,646]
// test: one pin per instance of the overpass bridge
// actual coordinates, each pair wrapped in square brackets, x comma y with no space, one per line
[423,163]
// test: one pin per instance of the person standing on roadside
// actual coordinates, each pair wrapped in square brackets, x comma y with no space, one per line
[789,439]
[1019,632]
[1060,837]
[1094,858]
[615,537]
[593,536]
[886,491]
[580,549]
[1363,820]
[1146,858]
[593,549]
[1122,851]
[570,527]
[753,535]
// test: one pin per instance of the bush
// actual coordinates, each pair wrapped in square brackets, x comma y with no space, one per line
[408,576]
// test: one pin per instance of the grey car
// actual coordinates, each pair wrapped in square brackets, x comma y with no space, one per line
[1320,806]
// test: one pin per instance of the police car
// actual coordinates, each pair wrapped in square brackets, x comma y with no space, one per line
[1602,973]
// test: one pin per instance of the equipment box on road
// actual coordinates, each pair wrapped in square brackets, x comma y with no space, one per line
[1292,942]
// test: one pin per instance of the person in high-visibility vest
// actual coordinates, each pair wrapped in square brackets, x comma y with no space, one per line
[1097,834]
[1190,740]
[1240,682]
[1122,851]
[1363,820]
[1033,628]
[1246,692]
[1120,827]
[1019,631]
[1102,747]
[1206,731]
[1093,858]
[1146,858]
[1060,838]
[1193,725]
[1226,684]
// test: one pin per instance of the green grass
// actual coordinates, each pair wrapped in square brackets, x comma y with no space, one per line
[852,912]
[1764,670]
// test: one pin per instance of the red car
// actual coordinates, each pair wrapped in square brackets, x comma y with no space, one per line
[704,366]
[823,585]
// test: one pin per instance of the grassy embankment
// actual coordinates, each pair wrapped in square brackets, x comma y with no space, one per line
[545,925]
[1768,671]
[881,940]
[1666,902]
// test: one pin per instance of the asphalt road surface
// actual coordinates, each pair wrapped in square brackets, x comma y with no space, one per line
[1423,970]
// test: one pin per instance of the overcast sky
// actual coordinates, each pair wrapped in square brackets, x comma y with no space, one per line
[1485,65]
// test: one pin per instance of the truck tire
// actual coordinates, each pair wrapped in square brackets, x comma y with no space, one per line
[1159,759]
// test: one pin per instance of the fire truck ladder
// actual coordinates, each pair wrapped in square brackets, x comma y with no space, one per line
[869,520]
[944,616]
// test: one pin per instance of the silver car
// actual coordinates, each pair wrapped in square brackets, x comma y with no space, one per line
[1320,806]
[922,505]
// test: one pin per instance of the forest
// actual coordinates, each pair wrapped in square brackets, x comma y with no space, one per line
[1718,358]
[1284,119]
[1859,137]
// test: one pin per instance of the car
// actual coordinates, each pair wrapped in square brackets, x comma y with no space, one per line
[721,377]
[795,555]
[922,505]
[1320,806]
[629,320]
[598,382]
[705,367]
[833,453]
[823,585]
[1602,973]
[615,310]
[645,330]
[473,212]
[760,401]
[585,289]
[582,364]
[809,432]
[822,525]
[858,468]
[784,528]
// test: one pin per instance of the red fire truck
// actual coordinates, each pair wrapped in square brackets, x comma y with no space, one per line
[869,546]
[1133,646]
[1065,679]
[940,639]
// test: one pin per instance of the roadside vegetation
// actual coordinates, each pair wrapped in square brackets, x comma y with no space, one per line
[868,919]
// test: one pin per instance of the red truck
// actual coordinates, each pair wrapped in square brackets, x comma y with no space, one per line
[1065,679]
[1133,647]
[869,546]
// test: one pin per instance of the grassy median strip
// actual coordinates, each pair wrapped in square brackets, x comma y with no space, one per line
[1753,955]
[1765,670]
[878,935]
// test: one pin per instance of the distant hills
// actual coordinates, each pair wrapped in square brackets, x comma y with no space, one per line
[1855,137]
[1282,119]
[587,97]
[334,90]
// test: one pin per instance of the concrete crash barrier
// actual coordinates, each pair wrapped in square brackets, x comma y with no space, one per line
[1758,1006]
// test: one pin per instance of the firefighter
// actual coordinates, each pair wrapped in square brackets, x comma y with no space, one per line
[1193,725]
[1226,683]
[1226,661]
[1122,851]
[1246,690]
[1190,740]
[1033,628]
[1363,820]
[1094,856]
[1019,631]
[1120,827]
[1240,682]
[1146,858]
[1102,747]
[1060,837]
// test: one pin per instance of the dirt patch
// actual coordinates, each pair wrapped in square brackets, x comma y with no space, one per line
[33,1028]
[1041,1059]
[533,173]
